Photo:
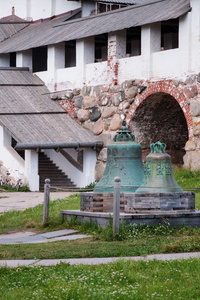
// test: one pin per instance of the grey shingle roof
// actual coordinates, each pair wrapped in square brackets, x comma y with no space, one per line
[129,2]
[30,116]
[7,30]
[19,77]
[10,25]
[55,31]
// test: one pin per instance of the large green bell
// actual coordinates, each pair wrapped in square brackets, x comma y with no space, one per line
[158,173]
[124,159]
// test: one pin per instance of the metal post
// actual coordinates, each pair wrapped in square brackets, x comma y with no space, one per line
[116,205]
[46,201]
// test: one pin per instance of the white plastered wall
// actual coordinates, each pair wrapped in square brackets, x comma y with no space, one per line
[31,170]
[10,159]
[5,60]
[55,61]
[81,179]
[36,9]
[151,64]
[24,59]
[193,21]
[27,169]
[57,77]
[88,8]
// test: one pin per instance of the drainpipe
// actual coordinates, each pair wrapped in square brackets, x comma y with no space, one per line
[57,146]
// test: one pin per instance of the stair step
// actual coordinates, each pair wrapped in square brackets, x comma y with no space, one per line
[48,169]
[64,182]
[53,173]
[48,165]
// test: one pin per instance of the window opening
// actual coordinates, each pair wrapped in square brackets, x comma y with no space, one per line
[133,41]
[70,54]
[39,59]
[114,7]
[101,47]
[104,7]
[13,59]
[101,8]
[20,152]
[169,34]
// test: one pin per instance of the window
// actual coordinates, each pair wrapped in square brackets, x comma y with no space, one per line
[13,59]
[104,7]
[70,54]
[39,59]
[169,34]
[101,47]
[133,41]
[101,8]
[20,152]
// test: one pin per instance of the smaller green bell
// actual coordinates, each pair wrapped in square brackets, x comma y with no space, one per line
[158,172]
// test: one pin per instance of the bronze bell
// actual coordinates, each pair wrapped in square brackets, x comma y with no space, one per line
[124,159]
[158,172]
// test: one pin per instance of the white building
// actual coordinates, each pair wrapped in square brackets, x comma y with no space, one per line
[32,10]
[144,58]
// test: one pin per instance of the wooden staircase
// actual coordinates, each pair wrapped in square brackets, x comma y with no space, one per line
[59,180]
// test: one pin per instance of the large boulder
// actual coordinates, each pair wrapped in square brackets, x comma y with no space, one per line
[95,114]
[195,108]
[190,91]
[98,127]
[103,155]
[108,112]
[192,160]
[190,145]
[89,102]
[132,92]
[99,170]
[78,101]
[107,137]
[104,99]
[83,115]
[116,123]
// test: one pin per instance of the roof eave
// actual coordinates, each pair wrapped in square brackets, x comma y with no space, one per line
[57,146]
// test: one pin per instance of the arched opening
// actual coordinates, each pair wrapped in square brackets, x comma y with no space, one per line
[160,118]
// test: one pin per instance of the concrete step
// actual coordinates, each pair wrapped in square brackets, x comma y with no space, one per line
[48,169]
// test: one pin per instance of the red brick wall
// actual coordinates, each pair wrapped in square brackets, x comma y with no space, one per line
[165,87]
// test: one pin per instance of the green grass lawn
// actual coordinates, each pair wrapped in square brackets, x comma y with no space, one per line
[131,241]
[187,178]
[121,280]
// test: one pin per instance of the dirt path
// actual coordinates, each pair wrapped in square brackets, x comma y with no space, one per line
[23,200]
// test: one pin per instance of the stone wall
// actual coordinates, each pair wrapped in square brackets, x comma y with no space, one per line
[102,109]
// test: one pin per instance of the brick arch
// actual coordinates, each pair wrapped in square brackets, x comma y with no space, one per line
[168,88]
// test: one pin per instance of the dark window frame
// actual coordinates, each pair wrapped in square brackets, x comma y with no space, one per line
[133,34]
[13,59]
[70,54]
[170,27]
[39,59]
[100,42]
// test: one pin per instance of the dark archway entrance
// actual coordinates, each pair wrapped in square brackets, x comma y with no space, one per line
[160,118]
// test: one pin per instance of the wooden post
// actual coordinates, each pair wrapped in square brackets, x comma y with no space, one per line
[116,205]
[46,201]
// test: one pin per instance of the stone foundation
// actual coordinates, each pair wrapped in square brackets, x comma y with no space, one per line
[187,218]
[138,203]
[99,202]
[159,202]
